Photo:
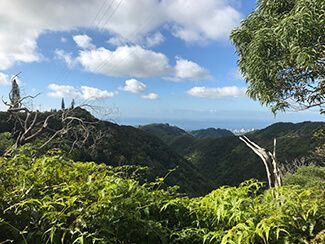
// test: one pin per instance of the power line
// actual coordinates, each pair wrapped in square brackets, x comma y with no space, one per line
[66,74]
[98,11]
[118,5]
[99,68]
[103,15]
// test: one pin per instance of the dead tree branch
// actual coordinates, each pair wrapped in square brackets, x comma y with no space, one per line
[269,159]
[29,125]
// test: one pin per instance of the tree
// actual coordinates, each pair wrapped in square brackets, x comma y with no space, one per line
[14,95]
[72,103]
[319,152]
[269,159]
[29,125]
[62,104]
[281,48]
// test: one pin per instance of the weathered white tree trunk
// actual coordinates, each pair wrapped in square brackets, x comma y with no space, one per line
[269,160]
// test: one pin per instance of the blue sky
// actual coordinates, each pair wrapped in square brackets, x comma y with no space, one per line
[139,61]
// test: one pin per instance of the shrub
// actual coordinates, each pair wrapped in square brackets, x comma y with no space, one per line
[49,199]
[5,141]
[307,176]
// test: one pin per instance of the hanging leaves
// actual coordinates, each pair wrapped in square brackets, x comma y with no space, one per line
[281,48]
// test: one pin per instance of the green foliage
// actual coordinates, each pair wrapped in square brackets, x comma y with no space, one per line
[227,161]
[242,215]
[50,199]
[119,145]
[281,53]
[5,141]
[319,152]
[212,162]
[307,176]
[62,104]
[164,132]
[167,133]
[211,133]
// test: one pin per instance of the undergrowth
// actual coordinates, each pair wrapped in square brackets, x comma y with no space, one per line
[50,199]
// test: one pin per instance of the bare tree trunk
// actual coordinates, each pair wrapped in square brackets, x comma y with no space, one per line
[28,125]
[269,160]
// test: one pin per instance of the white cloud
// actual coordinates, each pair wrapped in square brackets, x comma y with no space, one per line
[92,93]
[135,61]
[150,40]
[186,69]
[154,40]
[204,20]
[66,57]
[151,96]
[22,22]
[85,92]
[125,61]
[63,39]
[83,41]
[4,79]
[117,41]
[59,91]
[134,86]
[217,92]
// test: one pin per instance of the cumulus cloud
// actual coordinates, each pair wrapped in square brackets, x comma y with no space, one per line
[201,20]
[63,91]
[191,20]
[134,86]
[83,41]
[92,93]
[186,69]
[22,23]
[154,40]
[135,61]
[217,92]
[151,96]
[65,57]
[117,41]
[4,79]
[125,61]
[85,92]
[150,40]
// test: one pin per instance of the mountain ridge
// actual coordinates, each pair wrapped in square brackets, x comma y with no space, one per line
[201,164]
[227,161]
[210,132]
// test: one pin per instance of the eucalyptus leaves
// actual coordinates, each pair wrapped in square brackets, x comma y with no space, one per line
[281,48]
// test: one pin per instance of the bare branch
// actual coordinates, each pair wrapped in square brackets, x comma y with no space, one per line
[28,125]
[269,160]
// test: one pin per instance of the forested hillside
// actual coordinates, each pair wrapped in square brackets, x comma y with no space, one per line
[228,161]
[211,133]
[168,132]
[68,177]
[165,132]
[123,145]
[211,161]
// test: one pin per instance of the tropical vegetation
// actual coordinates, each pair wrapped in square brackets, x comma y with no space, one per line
[281,53]
[51,199]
